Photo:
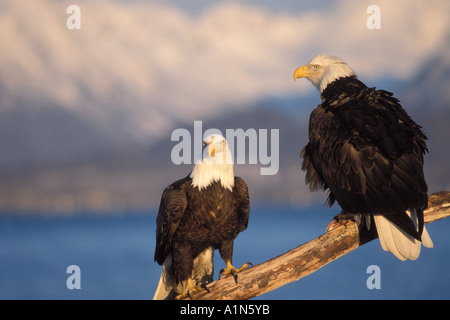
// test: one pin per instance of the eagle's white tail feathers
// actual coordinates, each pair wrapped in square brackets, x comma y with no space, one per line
[161,292]
[166,281]
[399,243]
[426,239]
[202,273]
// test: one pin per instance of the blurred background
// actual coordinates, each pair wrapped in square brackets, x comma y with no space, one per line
[86,118]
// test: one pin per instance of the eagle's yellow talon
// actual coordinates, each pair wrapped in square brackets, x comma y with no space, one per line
[229,269]
[191,288]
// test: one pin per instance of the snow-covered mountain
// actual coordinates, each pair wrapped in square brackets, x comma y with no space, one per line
[86,115]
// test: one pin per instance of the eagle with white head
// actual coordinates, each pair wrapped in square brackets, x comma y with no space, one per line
[204,211]
[368,153]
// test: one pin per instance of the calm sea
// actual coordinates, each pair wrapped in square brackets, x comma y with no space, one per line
[115,256]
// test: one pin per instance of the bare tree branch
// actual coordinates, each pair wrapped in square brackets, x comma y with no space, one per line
[307,258]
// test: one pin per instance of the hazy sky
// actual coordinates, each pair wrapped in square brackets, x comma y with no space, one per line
[152,63]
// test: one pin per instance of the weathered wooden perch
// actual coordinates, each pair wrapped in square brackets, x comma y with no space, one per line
[307,258]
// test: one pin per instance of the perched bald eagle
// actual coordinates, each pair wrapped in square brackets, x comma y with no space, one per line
[365,149]
[204,211]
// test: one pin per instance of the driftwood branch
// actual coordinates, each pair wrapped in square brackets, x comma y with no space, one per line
[307,258]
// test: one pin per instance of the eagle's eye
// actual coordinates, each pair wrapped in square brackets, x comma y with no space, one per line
[316,67]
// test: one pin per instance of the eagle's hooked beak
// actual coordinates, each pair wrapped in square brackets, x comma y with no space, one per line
[211,150]
[301,72]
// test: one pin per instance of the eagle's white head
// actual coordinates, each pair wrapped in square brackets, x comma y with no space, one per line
[323,70]
[217,164]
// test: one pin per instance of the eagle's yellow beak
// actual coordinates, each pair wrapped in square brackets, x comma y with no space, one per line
[211,150]
[301,72]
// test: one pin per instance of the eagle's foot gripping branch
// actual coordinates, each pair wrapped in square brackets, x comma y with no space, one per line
[192,288]
[339,220]
[229,269]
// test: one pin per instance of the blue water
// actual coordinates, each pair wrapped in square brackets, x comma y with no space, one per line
[115,256]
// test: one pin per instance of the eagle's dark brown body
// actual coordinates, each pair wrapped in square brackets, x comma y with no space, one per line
[367,151]
[191,220]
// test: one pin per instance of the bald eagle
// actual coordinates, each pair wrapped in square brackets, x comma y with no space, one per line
[204,211]
[368,153]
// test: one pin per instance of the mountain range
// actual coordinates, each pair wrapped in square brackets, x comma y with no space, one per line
[86,116]
[58,163]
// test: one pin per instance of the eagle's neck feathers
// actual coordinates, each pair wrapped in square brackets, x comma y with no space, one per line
[346,85]
[207,172]
[333,74]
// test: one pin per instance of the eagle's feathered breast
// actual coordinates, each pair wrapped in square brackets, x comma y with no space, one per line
[211,215]
[191,219]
